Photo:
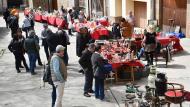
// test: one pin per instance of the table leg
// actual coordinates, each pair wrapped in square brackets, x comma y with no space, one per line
[132,74]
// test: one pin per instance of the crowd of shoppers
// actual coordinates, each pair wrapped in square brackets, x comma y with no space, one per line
[55,48]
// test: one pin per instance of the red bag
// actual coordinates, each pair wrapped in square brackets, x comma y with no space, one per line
[187,95]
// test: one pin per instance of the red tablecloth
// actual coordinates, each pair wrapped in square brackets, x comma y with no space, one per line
[104,22]
[133,63]
[77,26]
[51,20]
[44,18]
[96,34]
[38,17]
[164,41]
[60,22]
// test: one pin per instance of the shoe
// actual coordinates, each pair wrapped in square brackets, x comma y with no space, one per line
[40,64]
[27,70]
[91,91]
[33,73]
[81,71]
[87,95]
[18,71]
[21,66]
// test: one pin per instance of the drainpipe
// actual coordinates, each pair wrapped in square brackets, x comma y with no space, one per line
[48,6]
[152,9]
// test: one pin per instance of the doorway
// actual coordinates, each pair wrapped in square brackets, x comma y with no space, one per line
[140,13]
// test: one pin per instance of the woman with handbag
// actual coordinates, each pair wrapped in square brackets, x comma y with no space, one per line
[99,72]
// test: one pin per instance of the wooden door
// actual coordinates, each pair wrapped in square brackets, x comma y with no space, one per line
[176,10]
[140,13]
[54,5]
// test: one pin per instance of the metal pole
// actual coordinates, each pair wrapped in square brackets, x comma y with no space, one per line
[48,6]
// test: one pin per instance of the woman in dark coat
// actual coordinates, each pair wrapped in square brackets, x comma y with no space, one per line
[149,43]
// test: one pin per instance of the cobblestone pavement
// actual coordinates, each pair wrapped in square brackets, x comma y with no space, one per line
[24,90]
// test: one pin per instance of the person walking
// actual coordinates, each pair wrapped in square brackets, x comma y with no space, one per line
[6,15]
[22,40]
[13,24]
[32,47]
[26,25]
[69,21]
[85,62]
[58,74]
[149,42]
[99,74]
[16,47]
[38,56]
[44,40]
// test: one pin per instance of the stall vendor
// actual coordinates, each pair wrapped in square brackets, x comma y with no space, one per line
[126,29]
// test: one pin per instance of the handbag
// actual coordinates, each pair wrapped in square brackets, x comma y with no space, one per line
[24,28]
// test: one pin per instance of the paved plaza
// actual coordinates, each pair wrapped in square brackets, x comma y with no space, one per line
[24,90]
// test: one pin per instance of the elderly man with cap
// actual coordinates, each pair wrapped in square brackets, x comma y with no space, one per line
[58,73]
[32,47]
[85,62]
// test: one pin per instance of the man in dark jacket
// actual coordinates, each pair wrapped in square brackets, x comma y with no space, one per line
[85,62]
[6,15]
[64,41]
[83,38]
[32,47]
[13,24]
[52,41]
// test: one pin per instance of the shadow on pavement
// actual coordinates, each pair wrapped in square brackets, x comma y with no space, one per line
[183,53]
[176,66]
[3,32]
[172,66]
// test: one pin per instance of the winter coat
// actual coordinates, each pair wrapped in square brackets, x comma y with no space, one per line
[31,45]
[85,61]
[81,43]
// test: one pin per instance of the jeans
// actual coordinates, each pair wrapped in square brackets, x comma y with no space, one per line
[88,81]
[59,93]
[32,60]
[139,55]
[99,88]
[19,56]
[53,95]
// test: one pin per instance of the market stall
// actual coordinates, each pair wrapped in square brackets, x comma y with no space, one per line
[119,55]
